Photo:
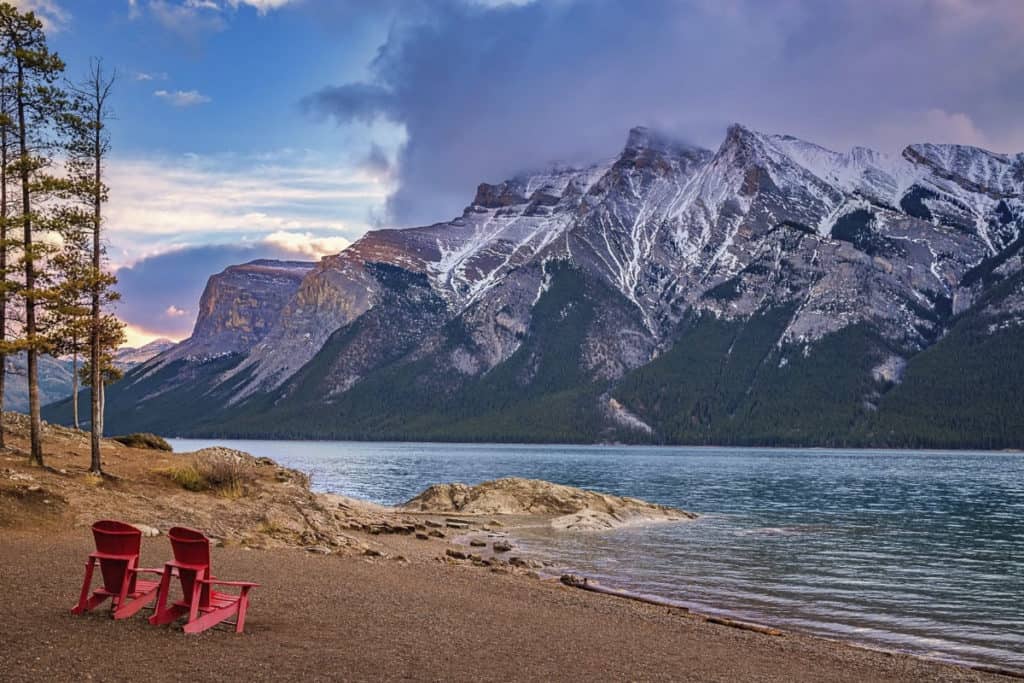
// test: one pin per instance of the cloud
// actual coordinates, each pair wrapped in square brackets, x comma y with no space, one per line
[484,90]
[933,125]
[182,98]
[175,312]
[147,76]
[194,19]
[158,204]
[306,244]
[262,6]
[189,21]
[53,16]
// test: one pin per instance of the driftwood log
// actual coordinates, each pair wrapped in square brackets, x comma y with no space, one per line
[587,584]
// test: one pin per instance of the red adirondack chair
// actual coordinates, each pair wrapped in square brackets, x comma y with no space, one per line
[117,553]
[204,606]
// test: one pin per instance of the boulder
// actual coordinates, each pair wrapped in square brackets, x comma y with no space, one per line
[570,509]
[147,531]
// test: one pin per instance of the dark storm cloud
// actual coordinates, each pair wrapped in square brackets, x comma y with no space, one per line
[484,91]
[161,293]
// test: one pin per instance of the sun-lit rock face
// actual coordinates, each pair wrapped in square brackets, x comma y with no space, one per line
[241,304]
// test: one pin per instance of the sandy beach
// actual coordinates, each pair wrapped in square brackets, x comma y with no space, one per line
[370,604]
[353,618]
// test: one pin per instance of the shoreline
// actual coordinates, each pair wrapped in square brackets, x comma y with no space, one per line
[577,578]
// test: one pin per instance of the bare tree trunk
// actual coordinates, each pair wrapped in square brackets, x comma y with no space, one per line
[35,418]
[103,406]
[3,253]
[74,387]
[100,92]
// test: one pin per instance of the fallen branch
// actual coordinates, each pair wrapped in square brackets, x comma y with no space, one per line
[576,581]
[593,586]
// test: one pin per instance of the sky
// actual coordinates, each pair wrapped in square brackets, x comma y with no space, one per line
[288,128]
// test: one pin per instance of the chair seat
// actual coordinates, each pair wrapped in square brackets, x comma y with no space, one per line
[217,601]
[141,588]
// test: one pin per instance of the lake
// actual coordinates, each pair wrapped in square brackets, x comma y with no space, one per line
[921,552]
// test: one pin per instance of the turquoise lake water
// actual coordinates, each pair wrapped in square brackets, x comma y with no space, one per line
[921,552]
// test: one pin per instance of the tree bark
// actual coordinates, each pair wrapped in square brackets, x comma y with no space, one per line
[35,417]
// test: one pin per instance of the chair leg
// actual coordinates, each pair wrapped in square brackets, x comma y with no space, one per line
[132,608]
[162,615]
[197,589]
[243,605]
[83,598]
[210,619]
[122,597]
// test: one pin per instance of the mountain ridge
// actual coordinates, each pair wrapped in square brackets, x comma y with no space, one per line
[768,241]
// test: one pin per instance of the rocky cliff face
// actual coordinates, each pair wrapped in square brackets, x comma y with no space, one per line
[543,310]
[240,306]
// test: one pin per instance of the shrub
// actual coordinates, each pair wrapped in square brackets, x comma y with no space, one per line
[144,440]
[226,476]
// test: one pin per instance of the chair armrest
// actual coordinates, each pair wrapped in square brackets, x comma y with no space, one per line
[240,584]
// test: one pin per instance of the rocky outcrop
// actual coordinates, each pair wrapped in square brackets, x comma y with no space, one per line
[566,507]
[241,305]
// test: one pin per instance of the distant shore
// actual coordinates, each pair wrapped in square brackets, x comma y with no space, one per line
[613,444]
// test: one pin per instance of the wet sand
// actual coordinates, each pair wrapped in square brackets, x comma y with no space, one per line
[343,617]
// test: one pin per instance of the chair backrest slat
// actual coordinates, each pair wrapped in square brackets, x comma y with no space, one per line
[120,539]
[191,547]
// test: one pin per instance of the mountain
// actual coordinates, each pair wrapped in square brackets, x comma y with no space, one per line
[54,381]
[55,374]
[768,292]
[128,357]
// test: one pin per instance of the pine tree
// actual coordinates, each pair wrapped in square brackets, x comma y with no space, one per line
[88,144]
[36,104]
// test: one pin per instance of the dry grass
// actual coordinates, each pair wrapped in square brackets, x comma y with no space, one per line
[226,476]
[93,479]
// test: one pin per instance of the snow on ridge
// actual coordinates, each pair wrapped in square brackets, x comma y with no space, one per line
[878,175]
[1002,173]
